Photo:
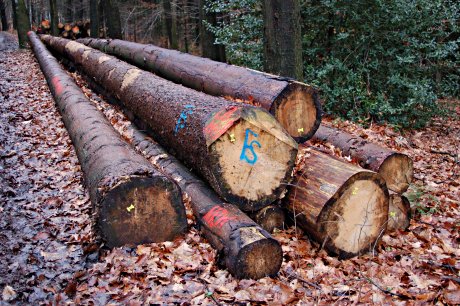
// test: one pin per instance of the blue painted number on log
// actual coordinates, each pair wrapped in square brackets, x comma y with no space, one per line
[182,121]
[250,147]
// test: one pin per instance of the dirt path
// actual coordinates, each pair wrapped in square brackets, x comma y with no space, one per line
[44,208]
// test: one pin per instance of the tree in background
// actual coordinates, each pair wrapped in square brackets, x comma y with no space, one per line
[112,18]
[283,38]
[94,18]
[4,20]
[22,23]
[54,18]
[209,47]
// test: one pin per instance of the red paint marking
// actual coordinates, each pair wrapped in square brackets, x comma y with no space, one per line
[217,217]
[220,123]
[58,88]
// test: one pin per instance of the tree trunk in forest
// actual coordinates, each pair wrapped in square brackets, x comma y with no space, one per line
[23,25]
[341,206]
[295,105]
[241,150]
[69,11]
[112,17]
[395,168]
[283,38]
[94,18]
[399,213]
[54,18]
[171,26]
[209,49]
[81,11]
[270,218]
[133,203]
[4,19]
[245,248]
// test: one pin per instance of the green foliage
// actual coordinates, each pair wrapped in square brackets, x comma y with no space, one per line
[373,60]
[422,202]
[240,30]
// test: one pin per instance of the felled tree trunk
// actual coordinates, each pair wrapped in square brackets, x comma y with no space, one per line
[270,218]
[246,249]
[399,213]
[395,168]
[241,150]
[295,105]
[133,203]
[341,206]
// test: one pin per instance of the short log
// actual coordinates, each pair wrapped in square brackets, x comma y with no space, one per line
[341,206]
[399,213]
[270,218]
[396,168]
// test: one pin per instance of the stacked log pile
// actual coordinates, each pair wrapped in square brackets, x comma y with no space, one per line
[395,168]
[243,153]
[133,203]
[295,105]
[241,150]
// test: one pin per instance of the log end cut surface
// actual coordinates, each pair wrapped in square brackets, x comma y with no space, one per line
[258,256]
[255,159]
[399,213]
[299,111]
[397,170]
[358,215]
[270,218]
[142,210]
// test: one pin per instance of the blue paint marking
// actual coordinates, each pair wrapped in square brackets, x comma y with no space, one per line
[250,147]
[182,121]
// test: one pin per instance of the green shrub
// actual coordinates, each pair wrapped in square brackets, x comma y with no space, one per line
[373,60]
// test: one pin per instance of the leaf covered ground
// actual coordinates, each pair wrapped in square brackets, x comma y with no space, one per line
[48,254]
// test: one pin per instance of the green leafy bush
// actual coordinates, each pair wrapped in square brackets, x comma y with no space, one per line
[374,60]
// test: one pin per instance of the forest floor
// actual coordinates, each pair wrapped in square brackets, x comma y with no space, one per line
[48,254]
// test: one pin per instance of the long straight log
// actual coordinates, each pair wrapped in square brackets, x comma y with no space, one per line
[133,203]
[395,168]
[341,206]
[241,150]
[247,250]
[295,105]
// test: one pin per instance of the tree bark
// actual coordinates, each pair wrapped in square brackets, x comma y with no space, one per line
[246,249]
[112,17]
[241,150]
[295,105]
[54,18]
[23,25]
[209,48]
[14,7]
[133,203]
[4,20]
[399,213]
[94,18]
[283,38]
[171,26]
[341,206]
[270,218]
[395,168]
[68,11]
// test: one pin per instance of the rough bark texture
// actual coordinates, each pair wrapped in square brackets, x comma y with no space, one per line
[341,206]
[270,218]
[133,203]
[395,168]
[94,18]
[399,213]
[241,150]
[244,247]
[4,20]
[295,105]
[23,25]
[283,38]
[54,18]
